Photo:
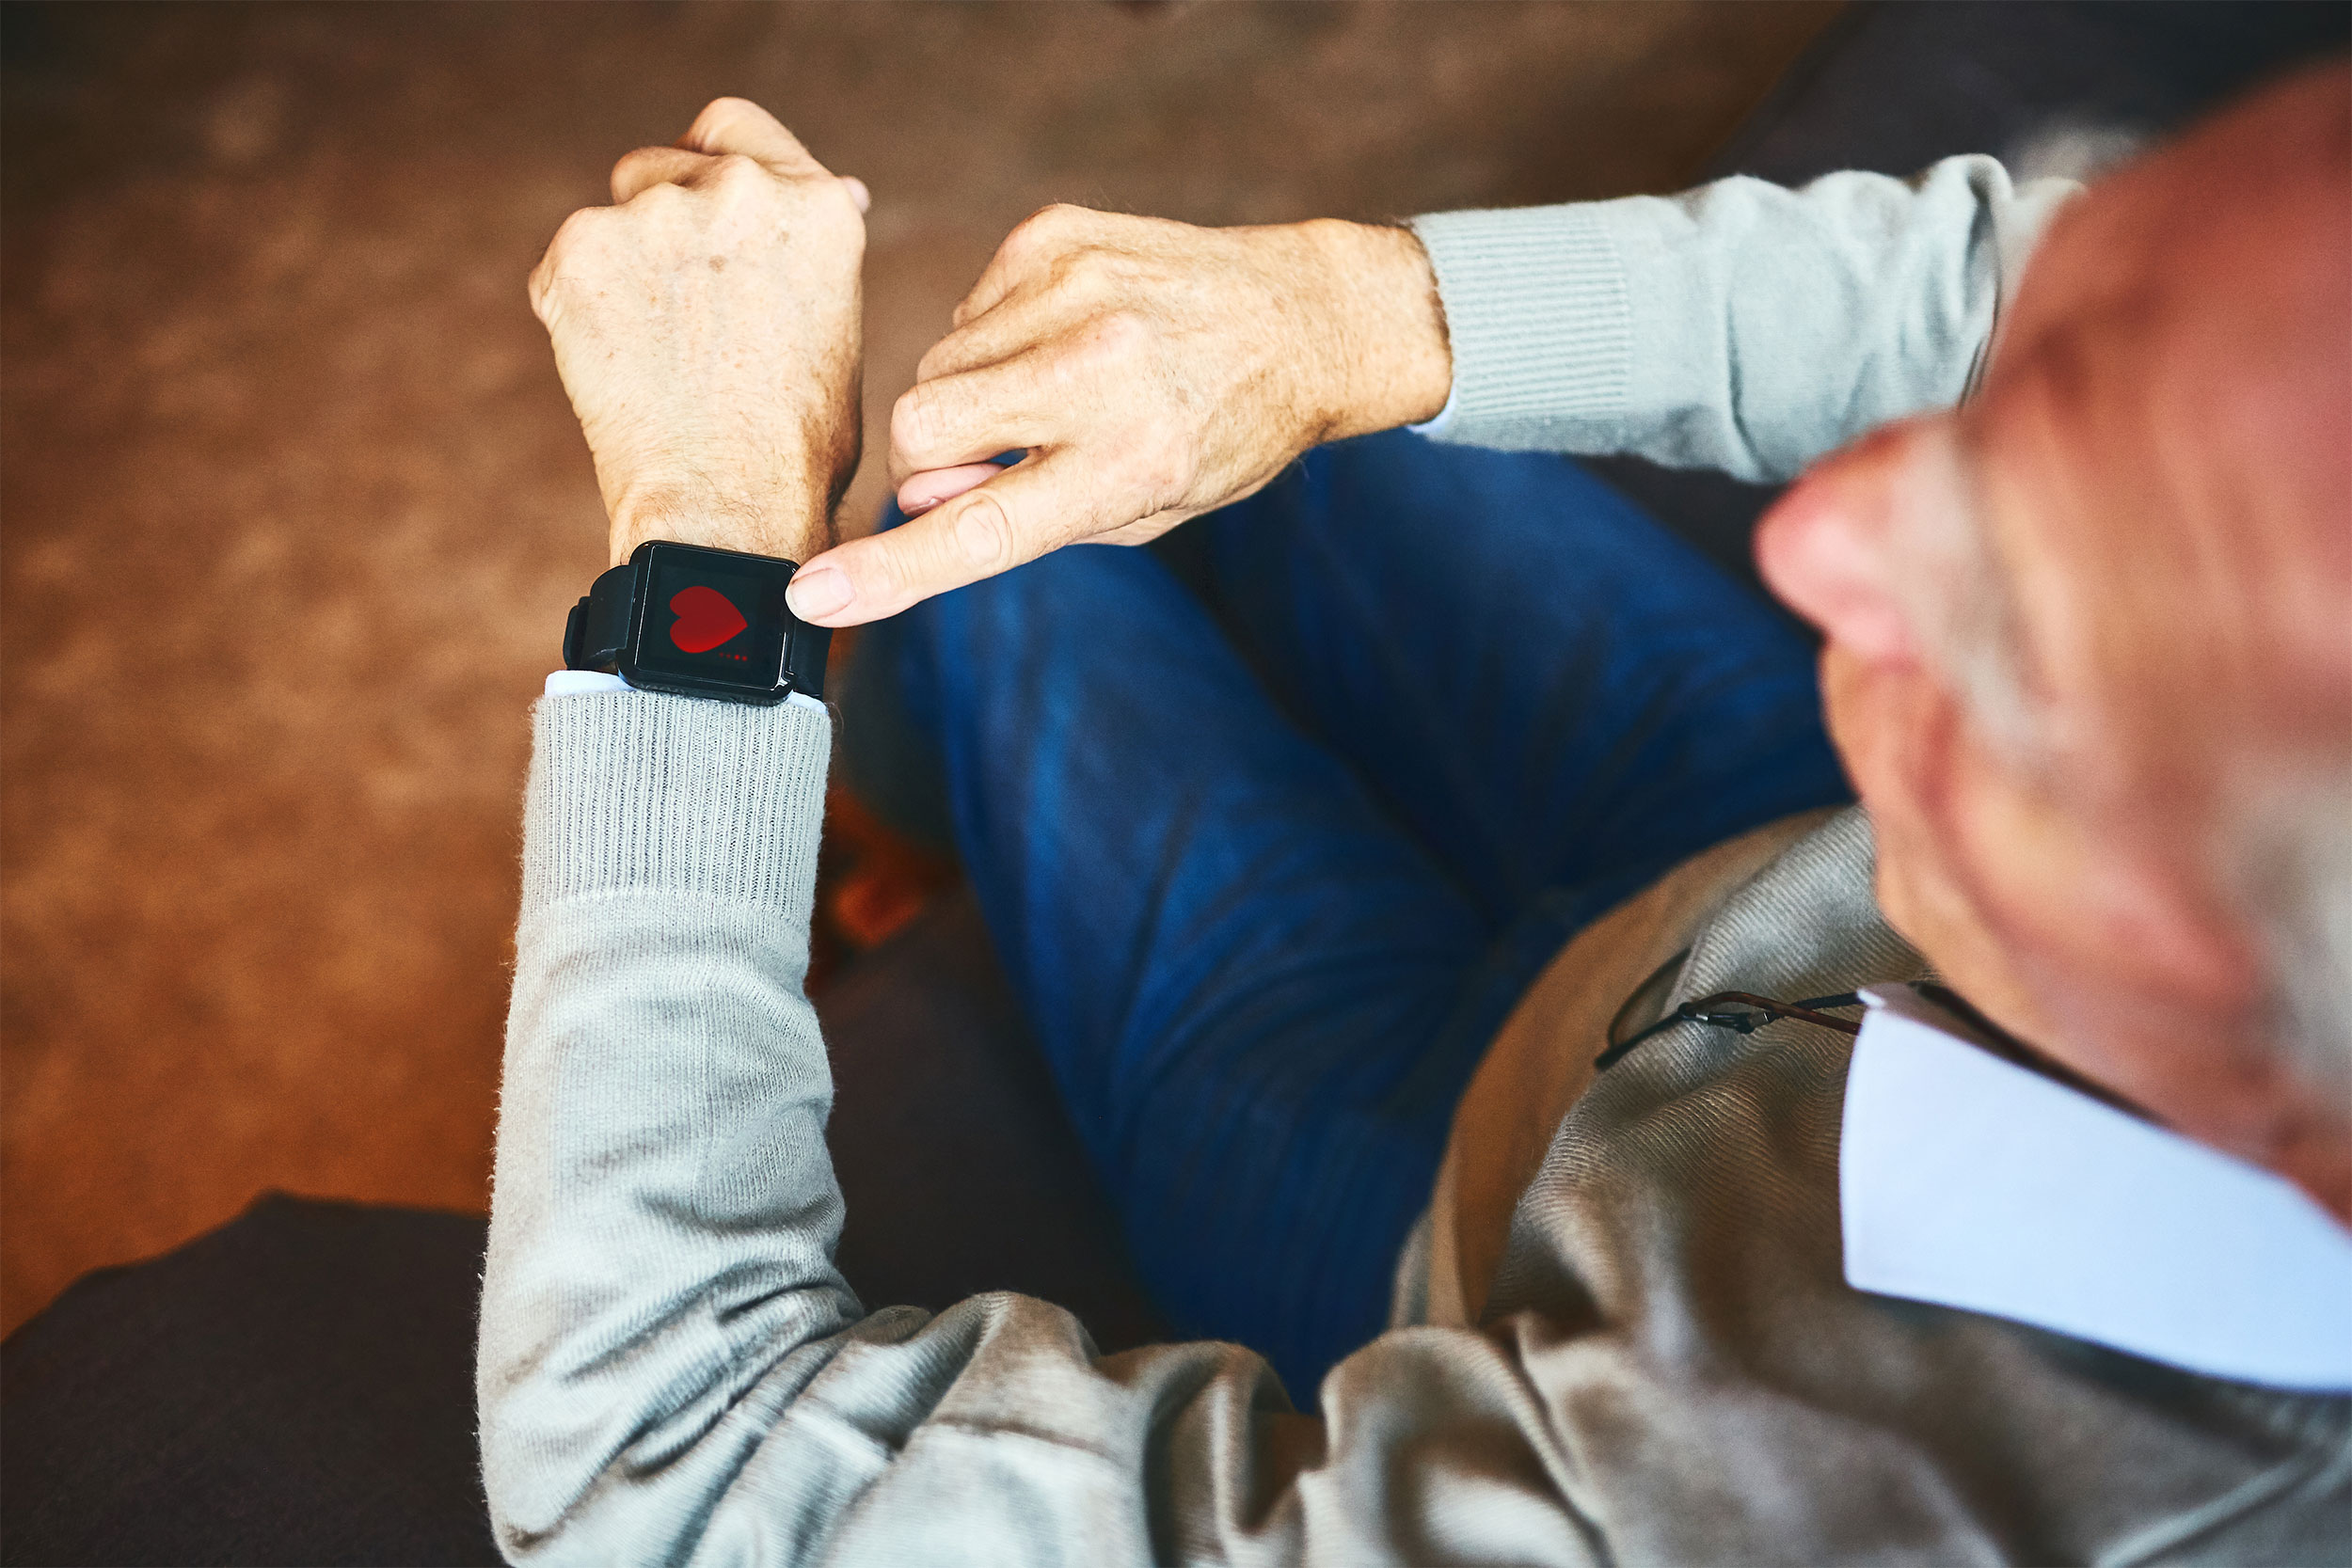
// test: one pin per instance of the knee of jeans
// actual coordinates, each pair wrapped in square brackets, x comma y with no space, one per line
[1099,595]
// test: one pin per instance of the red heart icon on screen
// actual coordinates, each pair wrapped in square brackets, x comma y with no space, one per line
[706,618]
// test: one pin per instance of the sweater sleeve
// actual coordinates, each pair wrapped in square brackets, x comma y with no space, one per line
[671,1370]
[1740,326]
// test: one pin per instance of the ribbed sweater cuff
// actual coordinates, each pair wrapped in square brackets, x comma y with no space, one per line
[641,792]
[1538,314]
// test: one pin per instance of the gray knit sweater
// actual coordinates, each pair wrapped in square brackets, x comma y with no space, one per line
[1671,1368]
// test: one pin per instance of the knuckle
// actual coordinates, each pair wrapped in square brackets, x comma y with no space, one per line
[575,233]
[578,236]
[1124,332]
[938,359]
[913,418]
[1045,222]
[715,118]
[875,565]
[984,533]
[732,181]
[1042,229]
[1020,249]
[736,171]
[638,157]
[1086,271]
[1114,339]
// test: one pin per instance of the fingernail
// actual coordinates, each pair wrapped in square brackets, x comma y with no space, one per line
[919,505]
[812,595]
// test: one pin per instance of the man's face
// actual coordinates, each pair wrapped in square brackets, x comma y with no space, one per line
[2061,621]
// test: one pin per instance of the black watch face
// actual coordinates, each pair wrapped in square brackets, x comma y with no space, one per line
[714,618]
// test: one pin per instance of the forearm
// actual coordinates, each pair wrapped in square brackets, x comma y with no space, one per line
[787,512]
[671,1368]
[1738,327]
[665,1210]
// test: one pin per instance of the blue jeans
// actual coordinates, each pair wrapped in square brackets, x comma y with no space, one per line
[1269,871]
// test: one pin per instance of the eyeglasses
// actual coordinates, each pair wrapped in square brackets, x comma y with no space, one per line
[1742,1012]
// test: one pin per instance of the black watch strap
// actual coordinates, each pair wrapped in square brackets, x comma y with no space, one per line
[595,634]
[804,652]
[597,628]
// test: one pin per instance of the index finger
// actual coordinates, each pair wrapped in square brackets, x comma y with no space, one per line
[954,419]
[739,125]
[1022,514]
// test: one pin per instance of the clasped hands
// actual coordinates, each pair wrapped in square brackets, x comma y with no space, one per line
[707,328]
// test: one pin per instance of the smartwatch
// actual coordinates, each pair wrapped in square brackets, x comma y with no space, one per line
[700,622]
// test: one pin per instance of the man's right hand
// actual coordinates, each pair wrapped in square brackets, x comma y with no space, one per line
[1151,372]
[706,327]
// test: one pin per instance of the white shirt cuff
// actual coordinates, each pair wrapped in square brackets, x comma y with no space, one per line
[582,683]
[586,683]
[1437,424]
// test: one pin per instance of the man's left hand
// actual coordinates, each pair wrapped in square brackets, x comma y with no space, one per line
[1151,372]
[706,327]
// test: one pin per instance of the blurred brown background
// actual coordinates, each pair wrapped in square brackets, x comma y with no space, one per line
[294,506]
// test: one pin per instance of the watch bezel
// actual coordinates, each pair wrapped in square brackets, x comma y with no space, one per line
[641,563]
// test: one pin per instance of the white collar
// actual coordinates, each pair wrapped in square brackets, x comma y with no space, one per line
[1972,1182]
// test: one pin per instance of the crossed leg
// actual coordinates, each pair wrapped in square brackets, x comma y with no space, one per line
[1269,871]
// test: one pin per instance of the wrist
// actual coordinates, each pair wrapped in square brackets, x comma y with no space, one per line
[786,514]
[698,620]
[1390,362]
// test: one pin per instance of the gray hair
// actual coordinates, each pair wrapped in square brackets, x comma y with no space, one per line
[2282,851]
[2288,858]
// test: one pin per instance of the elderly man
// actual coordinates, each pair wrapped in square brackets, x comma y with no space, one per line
[2043,1258]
